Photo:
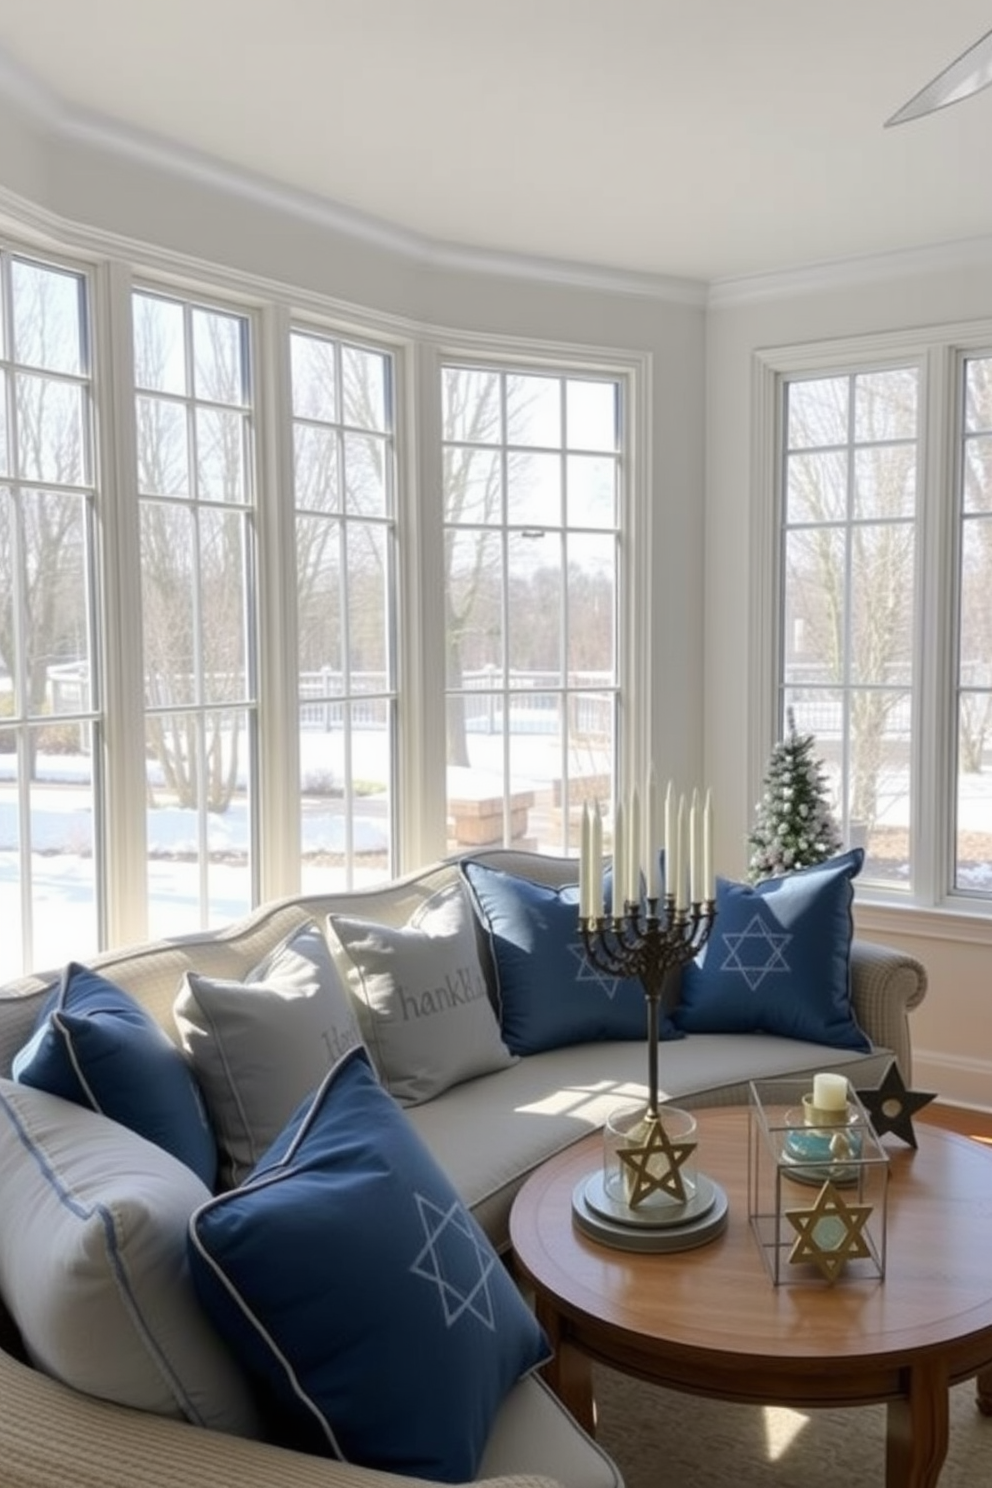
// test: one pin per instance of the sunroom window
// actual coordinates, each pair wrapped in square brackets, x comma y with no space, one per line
[848,594]
[195,487]
[51,798]
[345,530]
[532,483]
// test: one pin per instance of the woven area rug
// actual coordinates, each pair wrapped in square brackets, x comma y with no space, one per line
[660,1439]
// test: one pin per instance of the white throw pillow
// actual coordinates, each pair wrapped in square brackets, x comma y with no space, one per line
[94,1269]
[261,1046]
[422,999]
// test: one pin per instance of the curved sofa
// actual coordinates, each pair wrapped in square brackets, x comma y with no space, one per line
[487,1132]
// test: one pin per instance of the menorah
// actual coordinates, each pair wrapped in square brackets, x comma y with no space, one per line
[647,941]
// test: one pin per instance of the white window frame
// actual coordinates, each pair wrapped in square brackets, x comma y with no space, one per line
[115,269]
[47,256]
[938,351]
[635,603]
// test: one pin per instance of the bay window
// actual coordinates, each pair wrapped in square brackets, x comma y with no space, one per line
[882,486]
[225,665]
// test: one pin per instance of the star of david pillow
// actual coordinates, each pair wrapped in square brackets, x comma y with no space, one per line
[549,994]
[779,959]
[376,1319]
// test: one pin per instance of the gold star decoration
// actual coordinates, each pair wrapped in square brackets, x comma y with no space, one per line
[890,1108]
[652,1166]
[830,1234]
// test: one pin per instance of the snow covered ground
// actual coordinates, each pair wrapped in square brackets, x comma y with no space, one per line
[62,837]
[62,843]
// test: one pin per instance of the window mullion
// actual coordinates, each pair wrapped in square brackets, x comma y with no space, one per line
[278,692]
[936,638]
[120,588]
[422,752]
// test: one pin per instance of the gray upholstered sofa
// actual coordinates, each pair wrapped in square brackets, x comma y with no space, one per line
[487,1131]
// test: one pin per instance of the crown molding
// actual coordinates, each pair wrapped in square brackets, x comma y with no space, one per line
[850,273]
[94,131]
[70,124]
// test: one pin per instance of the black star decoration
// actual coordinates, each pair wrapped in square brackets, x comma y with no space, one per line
[653,1165]
[891,1106]
[829,1234]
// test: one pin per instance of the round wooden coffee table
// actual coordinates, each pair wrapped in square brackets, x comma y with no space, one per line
[710,1320]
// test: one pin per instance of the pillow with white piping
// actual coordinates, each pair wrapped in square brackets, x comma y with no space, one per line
[778,959]
[94,1044]
[261,1046]
[387,1331]
[94,1269]
[421,995]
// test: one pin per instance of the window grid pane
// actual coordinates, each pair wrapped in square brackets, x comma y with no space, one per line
[532,467]
[51,794]
[344,497]
[848,598]
[973,825]
[195,441]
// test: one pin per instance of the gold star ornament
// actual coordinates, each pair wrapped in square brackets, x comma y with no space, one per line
[651,1163]
[829,1234]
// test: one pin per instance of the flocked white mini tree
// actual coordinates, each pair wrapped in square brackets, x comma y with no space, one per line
[795,826]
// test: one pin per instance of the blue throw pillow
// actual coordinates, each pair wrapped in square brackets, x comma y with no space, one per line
[549,992]
[353,1285]
[94,1045]
[779,959]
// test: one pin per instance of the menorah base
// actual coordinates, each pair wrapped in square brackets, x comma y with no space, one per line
[623,1228]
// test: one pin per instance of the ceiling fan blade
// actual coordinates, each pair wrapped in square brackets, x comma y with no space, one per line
[969,74]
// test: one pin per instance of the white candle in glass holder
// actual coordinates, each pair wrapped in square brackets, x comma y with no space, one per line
[829,1092]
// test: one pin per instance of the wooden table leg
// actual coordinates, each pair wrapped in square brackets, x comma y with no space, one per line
[983,1389]
[917,1430]
[568,1371]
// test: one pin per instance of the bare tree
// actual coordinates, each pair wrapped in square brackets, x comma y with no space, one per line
[472,497]
[855,604]
[42,519]
[192,552]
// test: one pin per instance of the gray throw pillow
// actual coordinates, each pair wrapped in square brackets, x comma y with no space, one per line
[261,1046]
[94,1265]
[423,1005]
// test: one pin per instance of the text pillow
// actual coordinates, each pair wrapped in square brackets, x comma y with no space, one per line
[353,1284]
[94,1266]
[260,1046]
[550,994]
[93,1044]
[779,959]
[423,1005]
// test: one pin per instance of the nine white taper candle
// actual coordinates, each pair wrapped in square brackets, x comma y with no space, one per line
[688,850]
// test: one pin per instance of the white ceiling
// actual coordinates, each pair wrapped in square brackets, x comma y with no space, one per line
[700,138]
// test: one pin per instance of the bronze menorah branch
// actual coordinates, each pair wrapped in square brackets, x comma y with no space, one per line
[645,944]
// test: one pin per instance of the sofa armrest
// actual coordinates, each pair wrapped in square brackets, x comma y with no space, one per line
[51,1435]
[886,984]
